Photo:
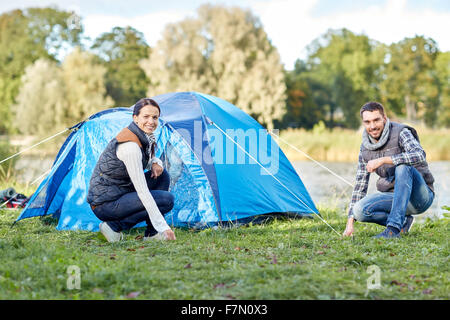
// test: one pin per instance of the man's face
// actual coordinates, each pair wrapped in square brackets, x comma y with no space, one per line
[374,122]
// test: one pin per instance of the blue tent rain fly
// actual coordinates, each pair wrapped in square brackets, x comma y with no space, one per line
[224,166]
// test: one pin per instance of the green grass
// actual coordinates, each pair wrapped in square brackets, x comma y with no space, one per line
[281,259]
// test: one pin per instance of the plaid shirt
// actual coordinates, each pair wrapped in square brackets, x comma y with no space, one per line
[412,154]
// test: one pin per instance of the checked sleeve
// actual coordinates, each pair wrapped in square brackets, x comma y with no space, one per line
[413,151]
[361,185]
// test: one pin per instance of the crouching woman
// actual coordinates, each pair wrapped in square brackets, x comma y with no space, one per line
[120,193]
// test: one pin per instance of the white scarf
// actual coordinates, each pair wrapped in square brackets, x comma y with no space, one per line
[151,140]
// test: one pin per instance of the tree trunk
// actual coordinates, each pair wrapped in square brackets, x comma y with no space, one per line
[411,114]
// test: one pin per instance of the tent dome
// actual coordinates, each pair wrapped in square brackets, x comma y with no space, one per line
[224,166]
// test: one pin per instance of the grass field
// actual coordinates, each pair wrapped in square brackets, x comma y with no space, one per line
[280,259]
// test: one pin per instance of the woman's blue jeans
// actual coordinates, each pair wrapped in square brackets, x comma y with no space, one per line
[411,196]
[127,211]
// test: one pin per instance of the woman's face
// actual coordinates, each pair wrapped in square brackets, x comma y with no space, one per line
[147,119]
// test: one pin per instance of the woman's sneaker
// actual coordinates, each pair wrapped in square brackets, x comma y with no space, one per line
[109,233]
[409,221]
[158,236]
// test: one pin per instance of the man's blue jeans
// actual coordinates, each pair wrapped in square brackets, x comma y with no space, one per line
[128,210]
[411,196]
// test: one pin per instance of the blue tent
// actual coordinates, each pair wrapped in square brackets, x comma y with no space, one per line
[223,164]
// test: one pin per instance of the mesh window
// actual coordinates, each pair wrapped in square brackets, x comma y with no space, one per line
[181,181]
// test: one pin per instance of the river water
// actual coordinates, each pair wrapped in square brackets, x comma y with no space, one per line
[325,188]
[328,190]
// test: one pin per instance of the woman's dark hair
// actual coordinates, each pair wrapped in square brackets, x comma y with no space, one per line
[144,102]
[372,106]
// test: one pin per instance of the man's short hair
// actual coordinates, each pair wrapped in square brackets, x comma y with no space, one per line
[372,106]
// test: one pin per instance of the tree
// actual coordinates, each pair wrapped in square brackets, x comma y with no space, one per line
[442,68]
[348,65]
[26,36]
[41,99]
[120,52]
[303,107]
[223,52]
[54,97]
[409,80]
[85,88]
[52,29]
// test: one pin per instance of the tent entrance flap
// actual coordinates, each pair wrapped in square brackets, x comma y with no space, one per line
[194,202]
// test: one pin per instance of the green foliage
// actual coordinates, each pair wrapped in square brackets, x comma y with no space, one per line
[25,36]
[442,68]
[85,86]
[410,83]
[345,70]
[41,99]
[305,101]
[224,52]
[51,28]
[120,52]
[346,65]
[55,97]
[281,259]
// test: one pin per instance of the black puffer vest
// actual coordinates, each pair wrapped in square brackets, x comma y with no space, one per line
[387,171]
[110,179]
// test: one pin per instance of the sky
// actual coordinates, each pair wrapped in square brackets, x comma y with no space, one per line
[291,25]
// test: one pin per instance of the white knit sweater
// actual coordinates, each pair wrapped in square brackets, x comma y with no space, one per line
[130,154]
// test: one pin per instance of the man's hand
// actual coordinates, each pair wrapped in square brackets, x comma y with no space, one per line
[156,170]
[374,164]
[170,235]
[349,228]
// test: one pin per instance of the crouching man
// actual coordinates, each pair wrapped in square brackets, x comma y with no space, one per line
[405,183]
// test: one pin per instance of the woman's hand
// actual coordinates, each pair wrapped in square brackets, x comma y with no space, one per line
[170,235]
[157,170]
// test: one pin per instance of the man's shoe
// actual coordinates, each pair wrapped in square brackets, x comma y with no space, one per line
[409,221]
[158,236]
[109,233]
[388,233]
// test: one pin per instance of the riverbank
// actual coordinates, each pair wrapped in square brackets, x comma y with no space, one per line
[342,145]
[282,259]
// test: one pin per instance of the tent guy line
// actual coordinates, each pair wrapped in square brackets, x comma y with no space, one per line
[317,162]
[26,149]
[237,144]
[35,145]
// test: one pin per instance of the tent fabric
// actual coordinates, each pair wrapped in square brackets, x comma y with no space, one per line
[201,140]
